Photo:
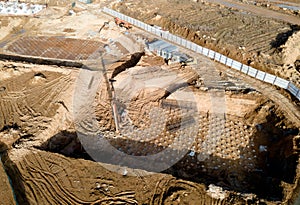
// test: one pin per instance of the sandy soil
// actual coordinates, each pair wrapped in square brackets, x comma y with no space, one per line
[246,134]
[242,35]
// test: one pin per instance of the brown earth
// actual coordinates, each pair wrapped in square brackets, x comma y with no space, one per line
[246,146]
[252,124]
[239,34]
[47,178]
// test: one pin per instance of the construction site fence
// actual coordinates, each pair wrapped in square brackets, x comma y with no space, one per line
[248,70]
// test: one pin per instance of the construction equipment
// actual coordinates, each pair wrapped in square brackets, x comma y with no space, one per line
[123,23]
[104,24]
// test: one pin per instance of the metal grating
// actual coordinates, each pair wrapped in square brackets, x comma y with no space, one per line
[56,47]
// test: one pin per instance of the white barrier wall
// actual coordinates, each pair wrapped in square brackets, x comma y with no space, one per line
[260,75]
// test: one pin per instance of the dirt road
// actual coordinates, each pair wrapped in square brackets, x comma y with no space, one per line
[258,11]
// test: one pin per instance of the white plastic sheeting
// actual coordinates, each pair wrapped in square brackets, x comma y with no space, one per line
[263,76]
[16,8]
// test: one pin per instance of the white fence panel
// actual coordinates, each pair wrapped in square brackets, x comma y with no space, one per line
[133,21]
[183,42]
[178,40]
[270,78]
[223,59]
[144,26]
[298,96]
[236,65]
[147,28]
[260,75]
[217,56]
[141,24]
[174,39]
[252,72]
[229,62]
[205,51]
[194,47]
[199,49]
[281,82]
[170,37]
[152,30]
[245,69]
[211,54]
[138,24]
[188,44]
[157,32]
[293,89]
[130,20]
[166,35]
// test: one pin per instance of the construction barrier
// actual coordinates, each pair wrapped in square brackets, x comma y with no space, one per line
[248,70]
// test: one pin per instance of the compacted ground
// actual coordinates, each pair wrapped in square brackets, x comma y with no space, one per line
[239,138]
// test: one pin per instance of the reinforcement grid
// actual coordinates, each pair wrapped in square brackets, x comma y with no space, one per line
[55,47]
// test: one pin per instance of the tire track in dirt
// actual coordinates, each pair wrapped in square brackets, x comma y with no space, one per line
[41,184]
[31,95]
[237,34]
